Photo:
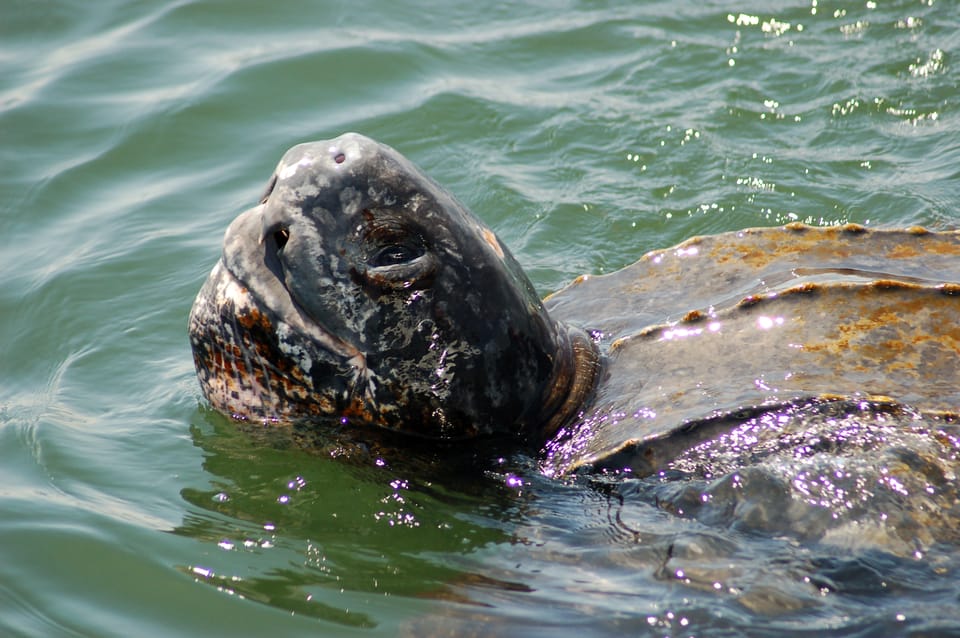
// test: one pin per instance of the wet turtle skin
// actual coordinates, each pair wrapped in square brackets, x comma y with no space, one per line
[797,379]
[359,293]
[746,322]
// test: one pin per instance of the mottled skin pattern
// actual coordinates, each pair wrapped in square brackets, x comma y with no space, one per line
[361,292]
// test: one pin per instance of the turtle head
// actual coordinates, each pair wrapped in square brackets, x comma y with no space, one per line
[360,291]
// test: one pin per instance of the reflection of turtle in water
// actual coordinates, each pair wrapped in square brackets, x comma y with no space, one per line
[359,292]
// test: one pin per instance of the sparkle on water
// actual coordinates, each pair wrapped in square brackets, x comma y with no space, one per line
[585,135]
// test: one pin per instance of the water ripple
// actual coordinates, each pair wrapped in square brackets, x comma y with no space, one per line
[585,134]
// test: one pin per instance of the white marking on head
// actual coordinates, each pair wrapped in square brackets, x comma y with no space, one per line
[290,170]
[291,349]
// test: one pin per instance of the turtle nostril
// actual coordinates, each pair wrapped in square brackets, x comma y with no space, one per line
[281,236]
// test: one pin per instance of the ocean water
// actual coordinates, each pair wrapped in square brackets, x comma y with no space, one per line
[585,133]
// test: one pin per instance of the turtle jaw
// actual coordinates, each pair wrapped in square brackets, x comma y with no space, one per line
[575,374]
[226,326]
[245,367]
[258,355]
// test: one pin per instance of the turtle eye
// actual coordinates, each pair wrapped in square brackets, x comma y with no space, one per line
[393,252]
[396,254]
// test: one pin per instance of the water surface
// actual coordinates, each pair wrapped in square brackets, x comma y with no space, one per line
[585,133]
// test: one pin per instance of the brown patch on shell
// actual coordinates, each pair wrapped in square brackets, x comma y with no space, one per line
[807,288]
[853,228]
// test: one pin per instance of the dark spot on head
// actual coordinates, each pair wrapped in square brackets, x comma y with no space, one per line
[339,157]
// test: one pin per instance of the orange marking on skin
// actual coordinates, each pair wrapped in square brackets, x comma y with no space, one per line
[491,239]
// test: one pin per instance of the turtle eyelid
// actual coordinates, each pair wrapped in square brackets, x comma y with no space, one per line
[395,254]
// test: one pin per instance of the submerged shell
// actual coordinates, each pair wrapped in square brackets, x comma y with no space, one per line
[711,333]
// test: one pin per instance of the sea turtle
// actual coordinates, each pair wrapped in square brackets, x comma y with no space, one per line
[360,293]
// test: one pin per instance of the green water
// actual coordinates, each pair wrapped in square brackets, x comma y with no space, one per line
[585,133]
